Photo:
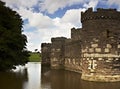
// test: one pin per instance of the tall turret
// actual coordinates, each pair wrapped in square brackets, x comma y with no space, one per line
[46,53]
[101,45]
[57,52]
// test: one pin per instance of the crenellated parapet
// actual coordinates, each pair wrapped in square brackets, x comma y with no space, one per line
[89,14]
[58,39]
[45,45]
[76,34]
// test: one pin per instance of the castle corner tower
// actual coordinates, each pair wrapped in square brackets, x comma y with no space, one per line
[101,45]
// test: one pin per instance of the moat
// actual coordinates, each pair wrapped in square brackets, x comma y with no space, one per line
[33,77]
[62,79]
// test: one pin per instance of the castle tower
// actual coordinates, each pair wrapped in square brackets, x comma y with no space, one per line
[57,52]
[100,45]
[46,54]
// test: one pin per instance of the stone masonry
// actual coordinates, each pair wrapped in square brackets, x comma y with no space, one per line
[93,50]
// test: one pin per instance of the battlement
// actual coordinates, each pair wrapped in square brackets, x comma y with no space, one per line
[76,33]
[56,39]
[100,14]
[45,45]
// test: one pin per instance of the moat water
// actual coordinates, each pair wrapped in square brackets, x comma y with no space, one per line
[32,76]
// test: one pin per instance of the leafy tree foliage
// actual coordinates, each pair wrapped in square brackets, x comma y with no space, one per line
[36,50]
[12,42]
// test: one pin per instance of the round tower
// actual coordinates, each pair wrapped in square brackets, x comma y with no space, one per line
[101,45]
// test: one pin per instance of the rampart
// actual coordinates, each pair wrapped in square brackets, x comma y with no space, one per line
[93,50]
[111,14]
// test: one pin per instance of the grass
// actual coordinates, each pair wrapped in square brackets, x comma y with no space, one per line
[34,57]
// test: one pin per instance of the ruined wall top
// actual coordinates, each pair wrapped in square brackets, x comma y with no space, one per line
[58,39]
[76,33]
[100,14]
[45,45]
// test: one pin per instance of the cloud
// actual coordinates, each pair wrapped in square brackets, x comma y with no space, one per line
[40,21]
[49,6]
[44,27]
[41,35]
[110,2]
[53,5]
[91,3]
[56,27]
[36,19]
[21,3]
[40,28]
[34,40]
[73,16]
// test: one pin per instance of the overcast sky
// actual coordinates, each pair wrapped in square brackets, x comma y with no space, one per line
[44,19]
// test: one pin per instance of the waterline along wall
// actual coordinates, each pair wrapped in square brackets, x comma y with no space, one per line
[93,50]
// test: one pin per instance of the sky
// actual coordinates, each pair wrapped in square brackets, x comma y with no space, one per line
[44,19]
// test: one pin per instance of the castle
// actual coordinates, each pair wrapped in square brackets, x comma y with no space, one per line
[93,50]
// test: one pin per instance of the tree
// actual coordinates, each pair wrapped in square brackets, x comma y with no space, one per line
[12,42]
[36,50]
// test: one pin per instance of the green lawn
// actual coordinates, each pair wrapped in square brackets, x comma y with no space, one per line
[34,57]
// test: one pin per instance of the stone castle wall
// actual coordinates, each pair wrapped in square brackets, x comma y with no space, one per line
[46,53]
[93,50]
[72,56]
[57,52]
[100,49]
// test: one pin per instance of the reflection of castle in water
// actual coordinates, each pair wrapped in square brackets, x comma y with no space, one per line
[60,79]
[93,50]
[13,80]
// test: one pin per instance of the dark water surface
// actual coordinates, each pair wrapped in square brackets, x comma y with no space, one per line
[60,79]
[27,77]
[33,77]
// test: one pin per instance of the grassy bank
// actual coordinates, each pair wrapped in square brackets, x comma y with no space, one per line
[35,57]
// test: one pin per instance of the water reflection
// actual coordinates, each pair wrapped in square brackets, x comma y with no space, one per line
[27,77]
[45,78]
[13,80]
[60,79]
[34,74]
[97,85]
[31,77]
